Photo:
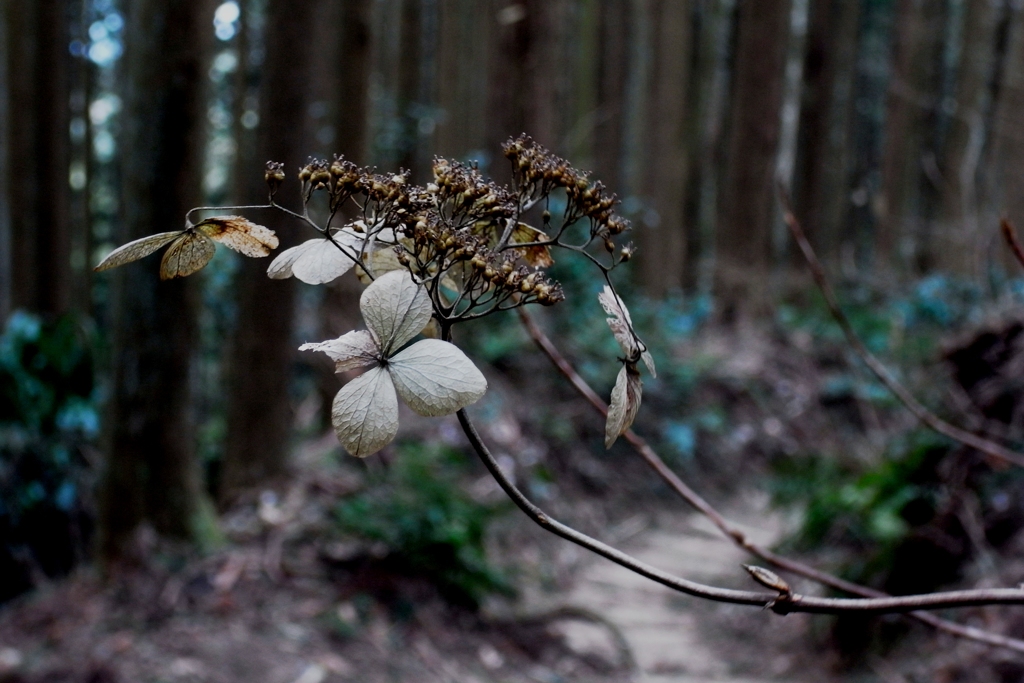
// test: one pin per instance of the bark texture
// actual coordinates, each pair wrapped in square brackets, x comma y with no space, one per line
[746,200]
[151,473]
[662,232]
[38,82]
[821,183]
[262,350]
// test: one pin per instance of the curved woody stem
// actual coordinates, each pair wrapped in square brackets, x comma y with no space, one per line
[927,417]
[781,603]
[1010,235]
[729,530]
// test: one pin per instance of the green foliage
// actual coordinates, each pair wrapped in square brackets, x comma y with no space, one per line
[430,526]
[874,508]
[47,411]
[869,509]
[905,325]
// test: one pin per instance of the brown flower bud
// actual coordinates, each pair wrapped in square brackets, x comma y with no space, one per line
[274,175]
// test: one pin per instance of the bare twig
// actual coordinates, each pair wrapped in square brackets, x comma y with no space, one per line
[927,417]
[781,604]
[1010,235]
[732,532]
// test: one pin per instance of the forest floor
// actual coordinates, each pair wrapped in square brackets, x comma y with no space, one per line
[223,619]
[279,603]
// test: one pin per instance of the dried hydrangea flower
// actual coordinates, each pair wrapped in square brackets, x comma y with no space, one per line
[434,377]
[192,248]
[626,395]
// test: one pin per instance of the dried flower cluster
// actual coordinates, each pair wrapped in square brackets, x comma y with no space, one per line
[455,249]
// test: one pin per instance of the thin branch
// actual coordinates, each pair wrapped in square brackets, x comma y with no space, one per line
[927,417]
[779,603]
[1010,235]
[732,532]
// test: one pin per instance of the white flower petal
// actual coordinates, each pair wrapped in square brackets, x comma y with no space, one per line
[436,378]
[365,413]
[395,309]
[323,261]
[357,349]
[625,402]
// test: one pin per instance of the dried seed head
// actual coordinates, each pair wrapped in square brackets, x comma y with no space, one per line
[274,175]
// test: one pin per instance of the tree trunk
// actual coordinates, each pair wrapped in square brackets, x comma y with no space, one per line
[584,107]
[6,263]
[1007,193]
[709,87]
[959,236]
[910,124]
[747,197]
[262,349]
[352,79]
[464,64]
[663,234]
[151,473]
[822,172]
[615,27]
[38,174]
[509,91]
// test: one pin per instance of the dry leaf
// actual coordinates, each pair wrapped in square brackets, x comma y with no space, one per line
[625,402]
[537,256]
[621,326]
[239,234]
[188,254]
[192,248]
[133,251]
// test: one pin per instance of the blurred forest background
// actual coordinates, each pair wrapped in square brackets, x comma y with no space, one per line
[897,126]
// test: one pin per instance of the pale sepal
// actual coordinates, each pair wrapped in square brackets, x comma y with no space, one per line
[281,267]
[436,378]
[350,351]
[365,413]
[323,261]
[395,308]
[379,261]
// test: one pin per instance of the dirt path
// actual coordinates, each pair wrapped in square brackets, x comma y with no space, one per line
[676,638]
